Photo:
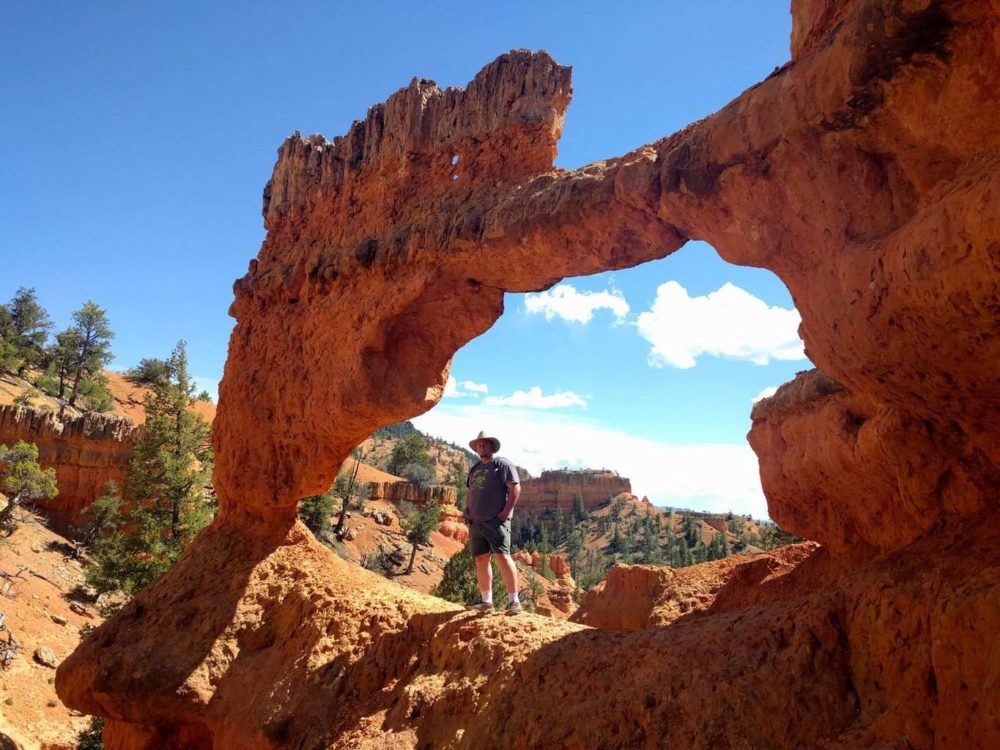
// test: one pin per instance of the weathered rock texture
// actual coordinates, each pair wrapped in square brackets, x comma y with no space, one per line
[87,452]
[407,492]
[864,173]
[634,597]
[558,490]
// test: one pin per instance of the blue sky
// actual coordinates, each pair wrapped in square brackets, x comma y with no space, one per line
[137,139]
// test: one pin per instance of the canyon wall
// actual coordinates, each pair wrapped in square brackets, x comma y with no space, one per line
[559,489]
[864,173]
[87,452]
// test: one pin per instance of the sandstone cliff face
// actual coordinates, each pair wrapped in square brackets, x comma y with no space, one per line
[87,452]
[864,174]
[559,489]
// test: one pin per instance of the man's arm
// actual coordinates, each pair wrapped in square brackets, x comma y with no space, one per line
[513,493]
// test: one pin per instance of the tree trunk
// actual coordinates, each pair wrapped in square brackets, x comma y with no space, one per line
[413,556]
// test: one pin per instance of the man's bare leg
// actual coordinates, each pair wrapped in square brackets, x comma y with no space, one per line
[484,574]
[508,571]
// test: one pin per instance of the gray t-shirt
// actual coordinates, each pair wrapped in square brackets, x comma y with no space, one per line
[487,485]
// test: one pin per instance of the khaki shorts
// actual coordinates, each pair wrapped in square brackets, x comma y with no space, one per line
[489,536]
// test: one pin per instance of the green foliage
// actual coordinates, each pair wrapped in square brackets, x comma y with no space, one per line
[395,431]
[149,372]
[204,396]
[459,584]
[91,738]
[409,451]
[90,337]
[166,502]
[580,514]
[24,328]
[99,518]
[315,511]
[95,393]
[773,536]
[22,480]
[418,522]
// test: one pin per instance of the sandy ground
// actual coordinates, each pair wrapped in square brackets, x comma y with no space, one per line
[30,711]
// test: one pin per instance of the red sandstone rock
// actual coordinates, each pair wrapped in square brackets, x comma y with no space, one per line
[864,174]
[87,452]
[634,597]
[559,490]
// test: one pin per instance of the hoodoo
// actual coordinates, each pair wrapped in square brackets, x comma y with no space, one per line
[864,173]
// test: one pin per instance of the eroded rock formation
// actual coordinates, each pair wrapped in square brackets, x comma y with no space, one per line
[864,173]
[87,452]
[558,489]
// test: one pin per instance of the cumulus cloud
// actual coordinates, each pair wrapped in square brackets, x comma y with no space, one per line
[475,387]
[766,393]
[534,399]
[717,477]
[729,322]
[566,302]
[467,388]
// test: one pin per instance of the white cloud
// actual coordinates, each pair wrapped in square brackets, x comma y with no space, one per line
[475,387]
[467,389]
[716,477]
[729,322]
[534,399]
[565,302]
[766,393]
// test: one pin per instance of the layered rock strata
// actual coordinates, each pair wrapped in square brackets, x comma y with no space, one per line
[86,452]
[559,490]
[863,173]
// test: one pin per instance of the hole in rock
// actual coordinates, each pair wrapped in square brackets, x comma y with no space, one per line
[649,373]
[454,159]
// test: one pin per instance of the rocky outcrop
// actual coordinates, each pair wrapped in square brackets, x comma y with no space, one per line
[400,492]
[559,489]
[863,173]
[635,597]
[86,452]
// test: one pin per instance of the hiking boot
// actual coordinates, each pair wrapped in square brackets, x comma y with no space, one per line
[514,608]
[481,607]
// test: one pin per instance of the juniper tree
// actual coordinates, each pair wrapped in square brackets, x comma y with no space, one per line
[418,523]
[166,502]
[22,480]
[25,327]
[93,345]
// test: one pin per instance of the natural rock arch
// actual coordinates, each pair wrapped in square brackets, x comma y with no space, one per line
[863,173]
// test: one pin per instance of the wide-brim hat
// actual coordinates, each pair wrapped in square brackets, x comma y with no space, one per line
[483,436]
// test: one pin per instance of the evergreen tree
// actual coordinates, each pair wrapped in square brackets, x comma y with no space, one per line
[93,337]
[149,372]
[411,449]
[418,523]
[93,341]
[99,518]
[346,487]
[25,327]
[459,583]
[166,503]
[580,514]
[315,512]
[22,480]
[63,356]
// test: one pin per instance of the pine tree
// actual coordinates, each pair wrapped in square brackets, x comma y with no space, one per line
[459,583]
[93,341]
[166,503]
[418,523]
[22,480]
[580,514]
[25,328]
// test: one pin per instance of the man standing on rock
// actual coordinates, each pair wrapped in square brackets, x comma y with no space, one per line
[493,493]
